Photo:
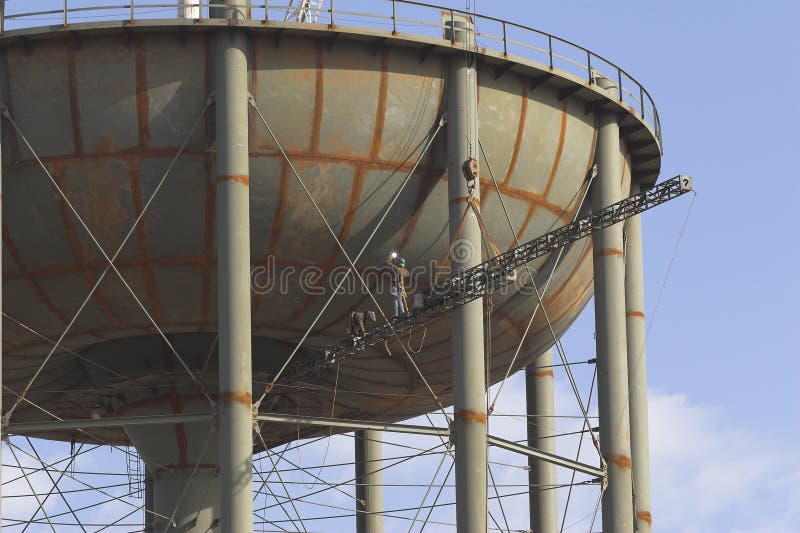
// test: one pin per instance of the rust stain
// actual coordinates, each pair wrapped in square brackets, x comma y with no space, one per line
[380,114]
[277,225]
[244,179]
[77,251]
[560,149]
[608,252]
[74,101]
[106,152]
[142,95]
[468,415]
[141,237]
[620,461]
[645,516]
[463,199]
[544,373]
[535,200]
[319,96]
[242,397]
[523,111]
[208,243]
[635,314]
[592,149]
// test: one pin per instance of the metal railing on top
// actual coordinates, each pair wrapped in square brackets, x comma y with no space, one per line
[397,16]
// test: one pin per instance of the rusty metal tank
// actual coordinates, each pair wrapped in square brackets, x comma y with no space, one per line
[107,105]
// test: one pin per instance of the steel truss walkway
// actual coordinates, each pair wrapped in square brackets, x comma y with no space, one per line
[494,274]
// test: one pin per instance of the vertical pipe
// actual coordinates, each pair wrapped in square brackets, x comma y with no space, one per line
[238,10]
[369,482]
[467,321]
[2,417]
[540,401]
[637,369]
[233,251]
[609,302]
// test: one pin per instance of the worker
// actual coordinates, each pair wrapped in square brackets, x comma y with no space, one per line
[397,287]
[356,322]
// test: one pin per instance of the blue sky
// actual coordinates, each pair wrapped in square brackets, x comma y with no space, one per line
[722,370]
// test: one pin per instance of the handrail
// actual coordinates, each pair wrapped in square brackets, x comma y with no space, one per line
[556,52]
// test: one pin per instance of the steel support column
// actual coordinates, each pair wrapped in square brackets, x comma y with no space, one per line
[2,414]
[609,303]
[233,252]
[149,502]
[541,430]
[228,9]
[369,482]
[469,431]
[637,369]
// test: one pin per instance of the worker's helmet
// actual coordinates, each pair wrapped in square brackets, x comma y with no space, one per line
[401,262]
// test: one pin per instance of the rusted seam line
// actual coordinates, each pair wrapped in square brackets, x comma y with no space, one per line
[523,112]
[380,114]
[468,415]
[149,278]
[242,397]
[559,150]
[15,256]
[620,461]
[319,95]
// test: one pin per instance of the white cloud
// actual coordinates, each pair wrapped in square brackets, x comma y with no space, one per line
[711,473]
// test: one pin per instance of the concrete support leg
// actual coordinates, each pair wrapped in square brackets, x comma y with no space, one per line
[637,369]
[171,454]
[541,430]
[467,321]
[369,482]
[610,327]
[197,507]
[233,251]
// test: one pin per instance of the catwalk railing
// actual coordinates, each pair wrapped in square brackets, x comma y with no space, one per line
[553,53]
[495,273]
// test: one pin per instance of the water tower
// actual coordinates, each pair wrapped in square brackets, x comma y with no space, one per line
[182,195]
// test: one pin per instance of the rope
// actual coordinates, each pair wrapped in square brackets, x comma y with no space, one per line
[421,341]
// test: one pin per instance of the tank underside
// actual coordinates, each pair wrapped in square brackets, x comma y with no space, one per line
[107,109]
